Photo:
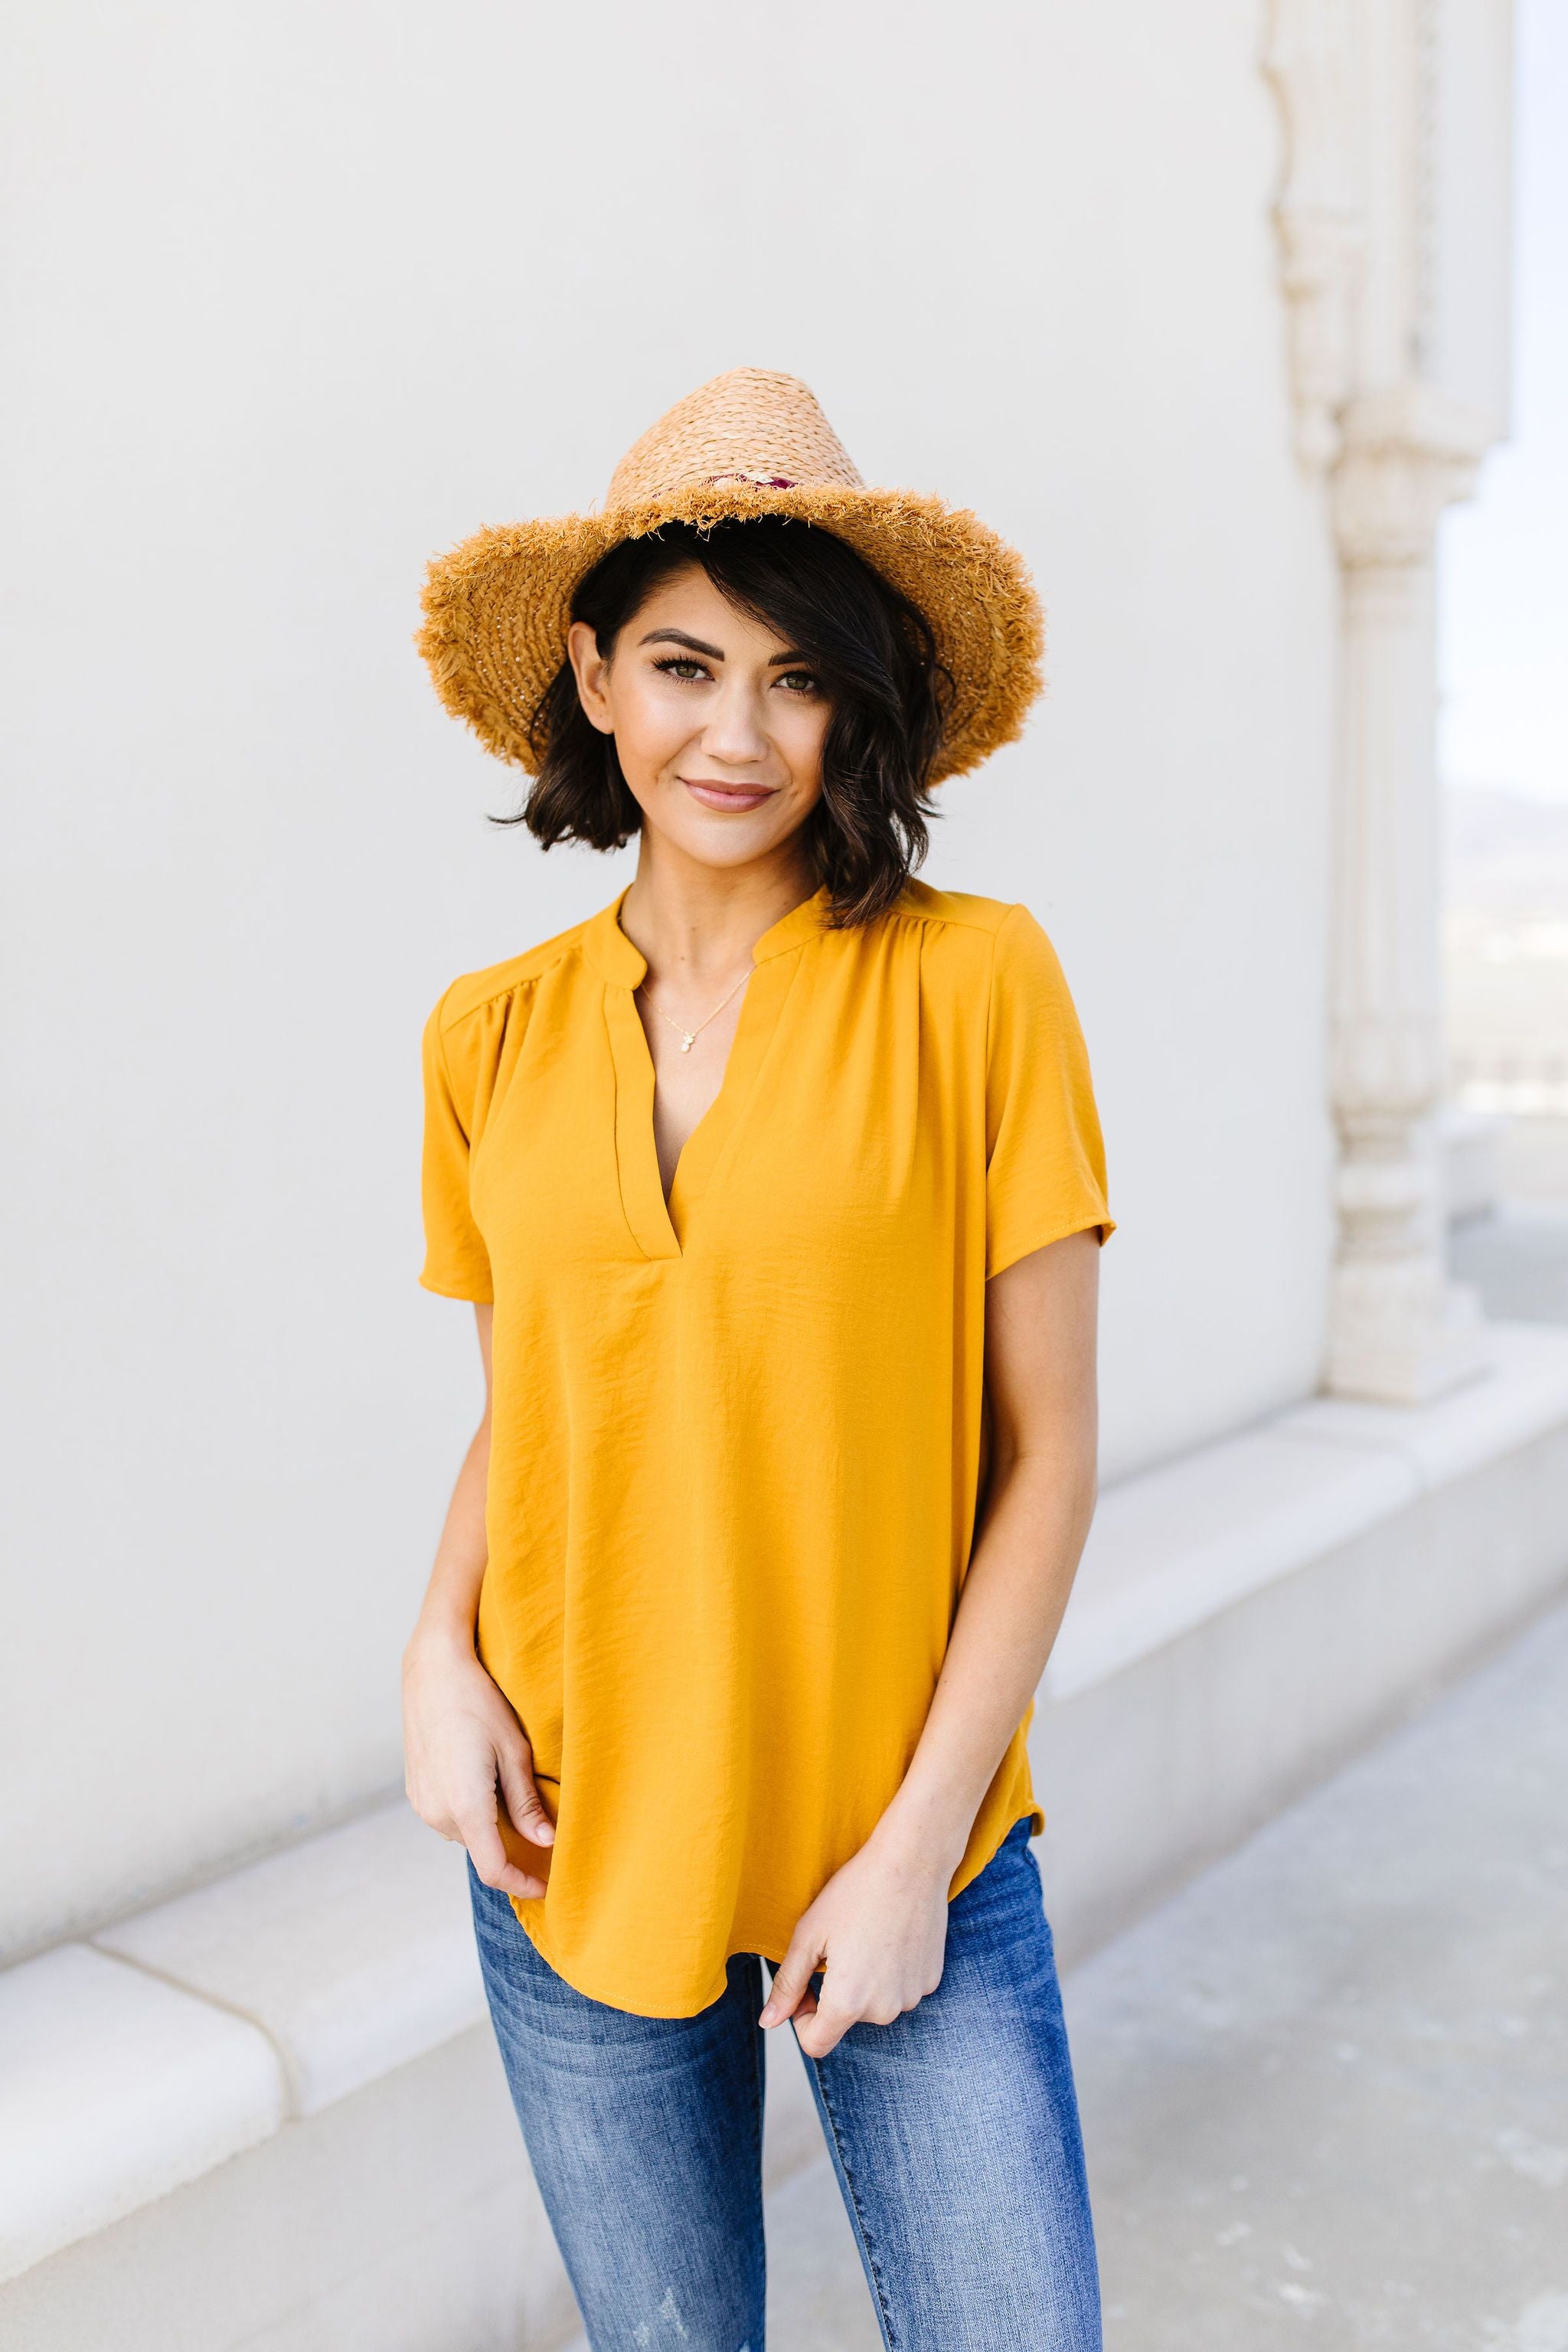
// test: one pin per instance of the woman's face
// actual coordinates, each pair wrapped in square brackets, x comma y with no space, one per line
[719,724]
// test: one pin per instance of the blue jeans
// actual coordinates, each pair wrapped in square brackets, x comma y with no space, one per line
[955,2133]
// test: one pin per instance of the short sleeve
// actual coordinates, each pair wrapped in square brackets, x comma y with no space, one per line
[1045,1175]
[457,1263]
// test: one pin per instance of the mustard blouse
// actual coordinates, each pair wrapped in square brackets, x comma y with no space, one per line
[737,1443]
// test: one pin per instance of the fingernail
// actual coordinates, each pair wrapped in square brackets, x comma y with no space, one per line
[545,1834]
[767,2016]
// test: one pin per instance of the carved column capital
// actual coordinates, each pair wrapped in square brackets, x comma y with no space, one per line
[1310,58]
[1407,452]
[1320,248]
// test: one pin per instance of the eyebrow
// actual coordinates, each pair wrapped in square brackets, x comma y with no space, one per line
[713,653]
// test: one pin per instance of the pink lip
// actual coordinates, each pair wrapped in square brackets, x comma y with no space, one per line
[732,797]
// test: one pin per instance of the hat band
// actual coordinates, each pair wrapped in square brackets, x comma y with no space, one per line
[755,481]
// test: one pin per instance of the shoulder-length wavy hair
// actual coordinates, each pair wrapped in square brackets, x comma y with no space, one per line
[872,650]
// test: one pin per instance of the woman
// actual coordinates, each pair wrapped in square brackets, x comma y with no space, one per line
[777,1189]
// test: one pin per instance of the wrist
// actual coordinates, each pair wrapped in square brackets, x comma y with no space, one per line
[442,1638]
[919,1844]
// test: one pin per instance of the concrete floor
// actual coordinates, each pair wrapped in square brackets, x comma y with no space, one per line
[1325,2089]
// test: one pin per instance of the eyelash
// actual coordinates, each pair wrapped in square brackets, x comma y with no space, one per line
[673,663]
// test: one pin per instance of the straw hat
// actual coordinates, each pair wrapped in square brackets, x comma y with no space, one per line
[750,443]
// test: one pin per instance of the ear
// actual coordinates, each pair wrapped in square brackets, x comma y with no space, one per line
[591,670]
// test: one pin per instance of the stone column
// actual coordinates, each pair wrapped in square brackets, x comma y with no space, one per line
[1399,1331]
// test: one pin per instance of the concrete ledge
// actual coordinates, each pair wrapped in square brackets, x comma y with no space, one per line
[400,2218]
[352,1952]
[1522,1396]
[301,2051]
[117,2089]
[1174,1547]
[1185,1715]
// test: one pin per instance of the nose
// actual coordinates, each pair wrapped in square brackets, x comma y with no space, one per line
[735,733]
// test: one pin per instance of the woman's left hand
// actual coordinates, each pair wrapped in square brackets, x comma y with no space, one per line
[879,1930]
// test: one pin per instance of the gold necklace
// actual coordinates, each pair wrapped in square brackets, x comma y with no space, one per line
[689,1036]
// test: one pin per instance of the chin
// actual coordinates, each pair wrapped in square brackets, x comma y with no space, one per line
[720,841]
[733,846]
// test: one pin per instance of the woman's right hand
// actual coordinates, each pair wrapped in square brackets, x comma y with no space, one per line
[468,1768]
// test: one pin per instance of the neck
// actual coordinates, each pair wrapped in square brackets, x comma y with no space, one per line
[700,923]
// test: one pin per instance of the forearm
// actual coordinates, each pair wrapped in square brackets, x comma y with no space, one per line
[450,1607]
[1040,1380]
[880,1925]
[1014,1596]
[469,1769]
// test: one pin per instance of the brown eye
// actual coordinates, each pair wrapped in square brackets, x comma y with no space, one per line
[681,667]
[799,681]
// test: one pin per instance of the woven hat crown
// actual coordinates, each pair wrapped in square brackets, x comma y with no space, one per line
[754,442]
[751,425]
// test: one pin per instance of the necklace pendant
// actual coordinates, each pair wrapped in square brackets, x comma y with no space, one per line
[687,1042]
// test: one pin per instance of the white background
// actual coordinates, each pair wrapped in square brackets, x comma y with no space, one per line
[305,293]
[1504,572]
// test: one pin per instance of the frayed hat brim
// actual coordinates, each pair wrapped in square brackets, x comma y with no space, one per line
[498,607]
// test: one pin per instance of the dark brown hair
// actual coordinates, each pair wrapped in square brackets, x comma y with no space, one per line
[871,649]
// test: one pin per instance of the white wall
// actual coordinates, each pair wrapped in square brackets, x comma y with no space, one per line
[309,291]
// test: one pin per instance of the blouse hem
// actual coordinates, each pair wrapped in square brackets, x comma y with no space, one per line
[771,1949]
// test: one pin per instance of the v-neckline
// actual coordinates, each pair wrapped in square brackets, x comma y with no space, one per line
[661,1227]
